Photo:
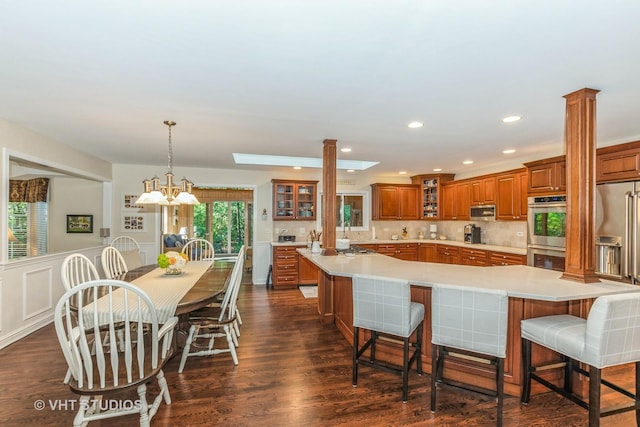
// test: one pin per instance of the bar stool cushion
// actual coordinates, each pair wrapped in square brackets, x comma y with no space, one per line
[610,336]
[384,305]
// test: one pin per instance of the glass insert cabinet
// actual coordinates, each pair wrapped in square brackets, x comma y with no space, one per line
[294,200]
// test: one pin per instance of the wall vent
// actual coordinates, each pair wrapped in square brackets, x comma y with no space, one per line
[346,182]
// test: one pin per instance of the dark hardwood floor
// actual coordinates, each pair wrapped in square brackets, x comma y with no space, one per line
[293,372]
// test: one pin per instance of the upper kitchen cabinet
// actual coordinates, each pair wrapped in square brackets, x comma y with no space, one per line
[547,176]
[511,197]
[456,197]
[618,163]
[483,191]
[294,200]
[395,201]
[431,193]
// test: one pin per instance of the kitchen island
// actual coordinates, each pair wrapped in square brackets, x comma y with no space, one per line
[533,292]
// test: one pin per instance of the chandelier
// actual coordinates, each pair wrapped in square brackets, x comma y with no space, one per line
[169,193]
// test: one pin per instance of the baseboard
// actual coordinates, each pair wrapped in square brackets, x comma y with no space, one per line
[18,334]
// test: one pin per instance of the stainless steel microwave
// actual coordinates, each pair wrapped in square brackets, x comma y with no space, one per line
[483,213]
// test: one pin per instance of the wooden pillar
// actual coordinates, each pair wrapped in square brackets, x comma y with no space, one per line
[329,160]
[580,145]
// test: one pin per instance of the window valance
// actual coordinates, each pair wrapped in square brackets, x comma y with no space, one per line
[28,190]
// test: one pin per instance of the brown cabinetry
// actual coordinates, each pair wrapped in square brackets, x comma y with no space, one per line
[307,271]
[502,258]
[294,200]
[483,191]
[456,200]
[431,193]
[511,199]
[405,251]
[395,201]
[427,252]
[448,254]
[285,267]
[547,176]
[618,163]
[473,257]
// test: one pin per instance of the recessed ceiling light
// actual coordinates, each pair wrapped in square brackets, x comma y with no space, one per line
[350,170]
[402,172]
[511,119]
[467,162]
[297,167]
[345,150]
[415,125]
[437,170]
[508,151]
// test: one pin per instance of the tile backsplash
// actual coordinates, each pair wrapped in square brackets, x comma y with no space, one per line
[499,233]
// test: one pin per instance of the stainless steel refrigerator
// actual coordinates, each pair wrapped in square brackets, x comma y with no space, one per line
[618,230]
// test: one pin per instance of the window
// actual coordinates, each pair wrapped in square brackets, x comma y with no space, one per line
[29,224]
[353,212]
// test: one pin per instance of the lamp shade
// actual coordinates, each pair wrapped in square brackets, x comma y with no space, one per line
[184,231]
[433,228]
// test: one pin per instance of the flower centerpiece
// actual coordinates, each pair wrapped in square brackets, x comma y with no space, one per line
[173,262]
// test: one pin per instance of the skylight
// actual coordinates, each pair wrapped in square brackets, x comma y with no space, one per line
[308,162]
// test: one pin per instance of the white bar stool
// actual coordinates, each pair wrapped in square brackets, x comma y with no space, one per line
[609,336]
[469,321]
[384,306]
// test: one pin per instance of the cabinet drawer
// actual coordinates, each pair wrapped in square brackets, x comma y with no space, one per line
[286,267]
[501,258]
[473,257]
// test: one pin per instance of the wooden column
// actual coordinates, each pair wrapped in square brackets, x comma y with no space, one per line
[580,145]
[329,159]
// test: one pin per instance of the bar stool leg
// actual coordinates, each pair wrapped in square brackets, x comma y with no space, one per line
[434,375]
[354,380]
[526,372]
[595,377]
[405,370]
[500,388]
[637,393]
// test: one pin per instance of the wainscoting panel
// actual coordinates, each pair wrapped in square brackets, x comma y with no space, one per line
[37,292]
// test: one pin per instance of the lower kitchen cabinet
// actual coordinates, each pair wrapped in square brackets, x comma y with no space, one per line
[502,258]
[448,254]
[307,271]
[405,251]
[473,257]
[285,267]
[427,252]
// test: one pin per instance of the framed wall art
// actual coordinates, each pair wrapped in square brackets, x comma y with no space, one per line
[131,222]
[79,223]
[129,202]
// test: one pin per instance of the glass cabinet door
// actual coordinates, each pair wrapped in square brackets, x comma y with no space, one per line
[284,201]
[306,202]
[294,200]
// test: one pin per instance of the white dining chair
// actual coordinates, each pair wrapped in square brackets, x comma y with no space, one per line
[99,373]
[113,263]
[213,322]
[199,250]
[76,269]
[130,251]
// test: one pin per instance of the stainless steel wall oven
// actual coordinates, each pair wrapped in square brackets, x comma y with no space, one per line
[547,219]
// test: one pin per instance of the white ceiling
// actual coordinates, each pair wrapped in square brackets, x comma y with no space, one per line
[278,77]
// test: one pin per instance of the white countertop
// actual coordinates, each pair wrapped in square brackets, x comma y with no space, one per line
[506,249]
[518,280]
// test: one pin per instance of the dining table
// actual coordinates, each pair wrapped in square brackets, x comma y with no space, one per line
[199,284]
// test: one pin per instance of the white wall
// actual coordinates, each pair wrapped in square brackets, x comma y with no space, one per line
[30,288]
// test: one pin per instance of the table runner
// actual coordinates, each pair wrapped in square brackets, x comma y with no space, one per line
[164,291]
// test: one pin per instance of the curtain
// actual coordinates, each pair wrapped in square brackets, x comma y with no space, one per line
[207,195]
[28,190]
